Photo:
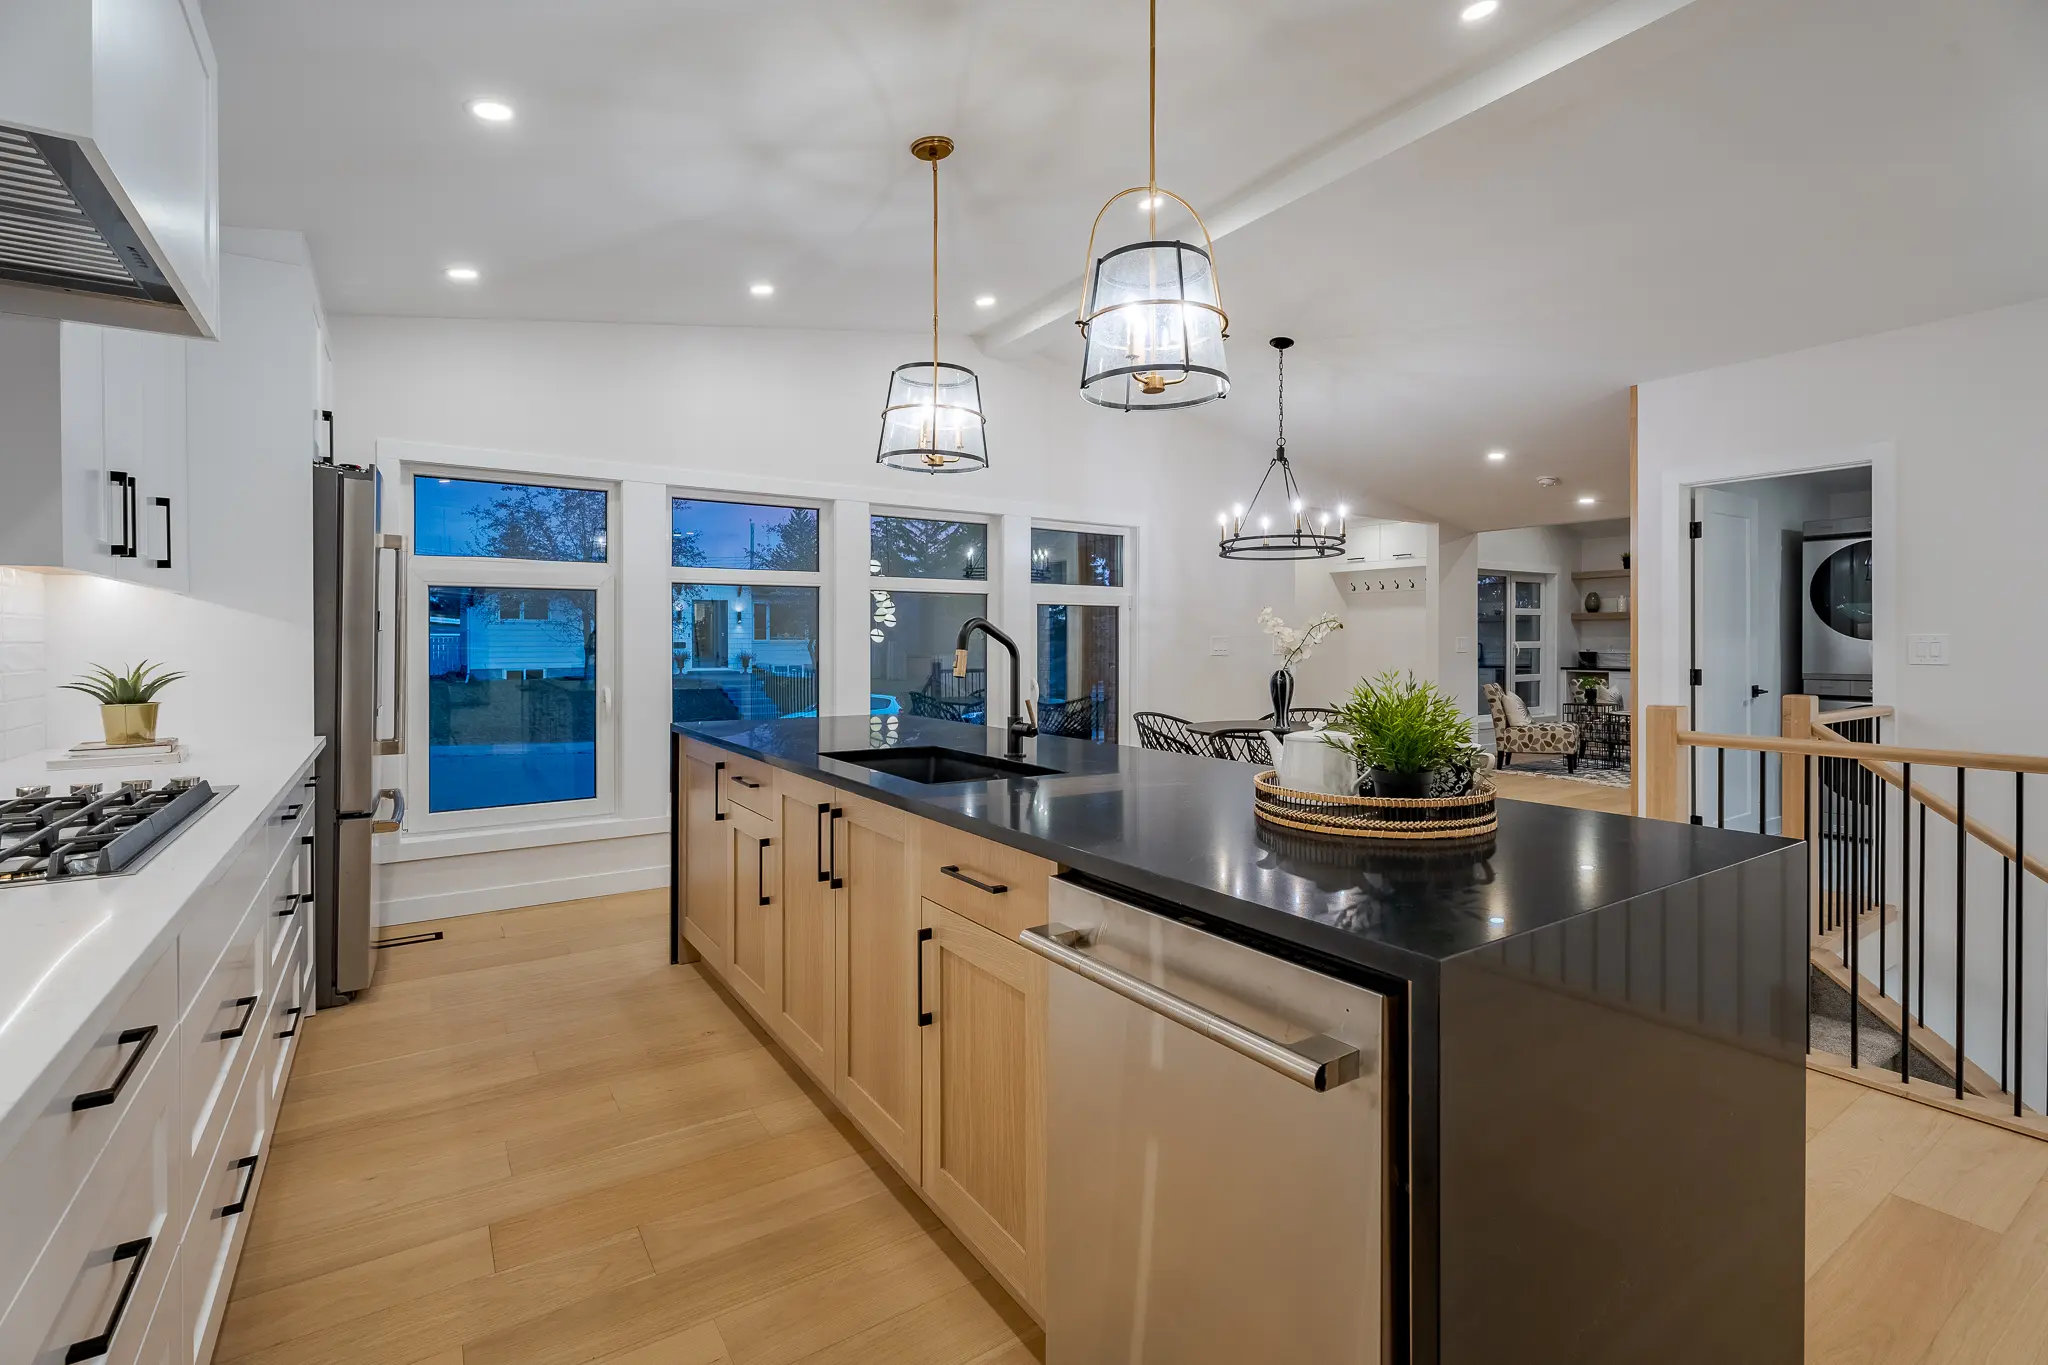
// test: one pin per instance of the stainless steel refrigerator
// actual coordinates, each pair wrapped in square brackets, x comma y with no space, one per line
[345,712]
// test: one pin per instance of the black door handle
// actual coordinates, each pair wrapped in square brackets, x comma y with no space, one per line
[120,549]
[132,518]
[716,769]
[247,1166]
[1755,691]
[165,503]
[247,1005]
[293,1015]
[825,841]
[761,869]
[924,1016]
[94,1099]
[92,1348]
[993,888]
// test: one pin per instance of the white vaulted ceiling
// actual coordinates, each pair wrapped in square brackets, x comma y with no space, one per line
[1479,236]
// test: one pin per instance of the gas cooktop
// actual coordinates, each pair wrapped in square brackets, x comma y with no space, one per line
[92,832]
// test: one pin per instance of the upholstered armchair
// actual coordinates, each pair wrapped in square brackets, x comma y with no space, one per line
[1514,733]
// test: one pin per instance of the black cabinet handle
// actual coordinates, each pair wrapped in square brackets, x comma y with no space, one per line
[247,1166]
[825,849]
[832,844]
[761,869]
[749,783]
[293,1015]
[716,769]
[165,503]
[290,813]
[247,1005]
[306,839]
[994,889]
[94,1099]
[291,901]
[92,1348]
[125,549]
[924,1016]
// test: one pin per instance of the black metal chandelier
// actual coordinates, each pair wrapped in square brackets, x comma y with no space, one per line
[1283,526]
[933,423]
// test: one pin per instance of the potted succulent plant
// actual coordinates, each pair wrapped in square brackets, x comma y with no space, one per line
[1409,738]
[127,700]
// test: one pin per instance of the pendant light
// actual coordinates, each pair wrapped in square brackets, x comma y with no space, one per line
[1283,525]
[933,422]
[1152,320]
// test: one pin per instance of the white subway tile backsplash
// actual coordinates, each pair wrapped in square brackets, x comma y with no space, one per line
[24,681]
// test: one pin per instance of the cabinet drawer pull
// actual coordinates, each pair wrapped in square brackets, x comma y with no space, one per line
[92,1348]
[247,1166]
[290,812]
[825,849]
[716,769]
[142,1038]
[306,839]
[126,549]
[924,1016]
[832,842]
[165,503]
[749,783]
[993,888]
[293,1015]
[761,869]
[247,1005]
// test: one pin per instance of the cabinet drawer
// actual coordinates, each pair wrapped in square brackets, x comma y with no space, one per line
[994,885]
[40,1175]
[103,1271]
[750,784]
[286,904]
[221,1032]
[286,1013]
[223,1197]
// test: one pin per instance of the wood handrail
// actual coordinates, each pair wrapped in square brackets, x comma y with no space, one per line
[1855,713]
[1832,748]
[1979,831]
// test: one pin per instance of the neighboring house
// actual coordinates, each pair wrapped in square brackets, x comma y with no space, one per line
[512,635]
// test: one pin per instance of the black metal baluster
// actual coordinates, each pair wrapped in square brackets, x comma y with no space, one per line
[1852,931]
[1721,787]
[2004,974]
[1763,769]
[1962,905]
[1813,872]
[1906,933]
[1884,914]
[1923,914]
[2019,938]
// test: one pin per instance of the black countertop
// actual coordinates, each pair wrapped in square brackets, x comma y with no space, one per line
[1181,829]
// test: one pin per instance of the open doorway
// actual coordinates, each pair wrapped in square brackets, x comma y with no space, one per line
[1781,604]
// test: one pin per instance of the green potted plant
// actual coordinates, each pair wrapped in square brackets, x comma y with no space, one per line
[1589,689]
[1408,738]
[127,700]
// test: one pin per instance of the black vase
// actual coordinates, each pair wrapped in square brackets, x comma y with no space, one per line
[1398,786]
[1283,696]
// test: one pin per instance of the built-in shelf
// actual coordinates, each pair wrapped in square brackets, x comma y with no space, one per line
[1599,616]
[1595,575]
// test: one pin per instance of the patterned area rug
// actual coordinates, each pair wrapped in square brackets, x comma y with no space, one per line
[1552,765]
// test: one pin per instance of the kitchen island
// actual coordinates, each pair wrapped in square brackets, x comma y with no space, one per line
[1593,1026]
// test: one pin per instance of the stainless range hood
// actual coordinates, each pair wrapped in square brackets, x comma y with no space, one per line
[60,227]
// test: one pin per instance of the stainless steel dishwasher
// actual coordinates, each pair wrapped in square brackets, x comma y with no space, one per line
[1216,1154]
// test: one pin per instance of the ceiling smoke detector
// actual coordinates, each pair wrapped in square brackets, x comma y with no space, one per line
[1549,481]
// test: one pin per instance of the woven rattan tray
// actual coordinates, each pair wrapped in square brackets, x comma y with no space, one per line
[1372,817]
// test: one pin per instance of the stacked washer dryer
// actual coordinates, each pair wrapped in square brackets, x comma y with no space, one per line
[1835,646]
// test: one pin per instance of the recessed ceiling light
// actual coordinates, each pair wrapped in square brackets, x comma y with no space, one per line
[461,274]
[1496,919]
[1548,481]
[1587,500]
[985,301]
[761,290]
[491,111]
[1479,11]
[1496,455]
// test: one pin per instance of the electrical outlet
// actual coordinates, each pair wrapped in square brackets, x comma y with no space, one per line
[1463,644]
[1219,646]
[1929,650]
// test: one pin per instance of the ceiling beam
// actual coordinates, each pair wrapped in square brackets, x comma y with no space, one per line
[1360,145]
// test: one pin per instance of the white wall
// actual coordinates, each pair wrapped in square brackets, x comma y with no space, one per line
[1953,418]
[798,412]
[24,677]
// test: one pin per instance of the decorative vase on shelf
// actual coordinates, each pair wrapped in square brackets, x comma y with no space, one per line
[1283,696]
[134,723]
[1593,601]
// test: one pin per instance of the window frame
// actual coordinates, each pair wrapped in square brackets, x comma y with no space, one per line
[680,574]
[1124,599]
[476,571]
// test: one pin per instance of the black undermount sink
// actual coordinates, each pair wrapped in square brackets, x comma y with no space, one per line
[929,763]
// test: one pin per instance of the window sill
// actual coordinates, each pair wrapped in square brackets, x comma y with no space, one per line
[456,843]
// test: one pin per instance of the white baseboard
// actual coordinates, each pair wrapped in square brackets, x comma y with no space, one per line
[518,895]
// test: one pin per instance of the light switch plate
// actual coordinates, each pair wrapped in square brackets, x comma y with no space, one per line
[1463,644]
[1927,650]
[1219,645]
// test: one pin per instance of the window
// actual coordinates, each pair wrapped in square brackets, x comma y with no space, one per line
[508,592]
[921,547]
[1511,637]
[911,636]
[480,519]
[705,534]
[1092,557]
[744,651]
[511,697]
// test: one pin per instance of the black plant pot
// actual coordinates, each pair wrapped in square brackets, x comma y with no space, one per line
[1397,786]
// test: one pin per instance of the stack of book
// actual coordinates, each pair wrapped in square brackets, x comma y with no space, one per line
[94,753]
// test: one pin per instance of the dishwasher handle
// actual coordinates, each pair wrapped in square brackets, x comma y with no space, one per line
[1320,1062]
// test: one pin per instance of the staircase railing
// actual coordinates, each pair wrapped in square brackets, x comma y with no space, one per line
[1893,906]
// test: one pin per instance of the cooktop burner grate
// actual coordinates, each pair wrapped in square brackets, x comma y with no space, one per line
[91,832]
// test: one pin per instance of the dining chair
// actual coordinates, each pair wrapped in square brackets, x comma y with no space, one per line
[1240,746]
[1072,719]
[1170,734]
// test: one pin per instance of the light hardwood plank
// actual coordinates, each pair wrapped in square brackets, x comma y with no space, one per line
[1856,1161]
[1826,1098]
[1884,1296]
[2003,1319]
[975,1322]
[699,1345]
[322,1303]
[828,1310]
[1979,1173]
[676,1238]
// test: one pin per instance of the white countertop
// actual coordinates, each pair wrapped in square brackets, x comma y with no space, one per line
[68,951]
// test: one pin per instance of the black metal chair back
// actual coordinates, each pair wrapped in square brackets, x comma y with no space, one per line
[1170,734]
[1071,719]
[1240,746]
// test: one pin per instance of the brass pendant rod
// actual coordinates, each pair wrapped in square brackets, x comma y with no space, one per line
[935,292]
[1152,124]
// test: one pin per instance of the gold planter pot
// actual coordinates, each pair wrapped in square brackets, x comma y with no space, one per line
[134,724]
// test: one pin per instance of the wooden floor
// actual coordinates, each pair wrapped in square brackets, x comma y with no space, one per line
[1562,791]
[538,1142]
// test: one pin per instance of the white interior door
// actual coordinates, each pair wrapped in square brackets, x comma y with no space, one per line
[1729,697]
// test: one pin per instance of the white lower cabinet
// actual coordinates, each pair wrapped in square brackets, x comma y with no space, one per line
[224,1193]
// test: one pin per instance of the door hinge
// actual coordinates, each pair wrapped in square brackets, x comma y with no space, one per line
[1698,530]
[1698,678]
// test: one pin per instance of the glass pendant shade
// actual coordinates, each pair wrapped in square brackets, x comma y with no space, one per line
[1154,326]
[933,423]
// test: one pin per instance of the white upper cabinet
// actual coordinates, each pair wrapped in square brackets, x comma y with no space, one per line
[109,151]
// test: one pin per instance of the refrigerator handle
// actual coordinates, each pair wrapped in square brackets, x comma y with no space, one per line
[395,744]
[397,821]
